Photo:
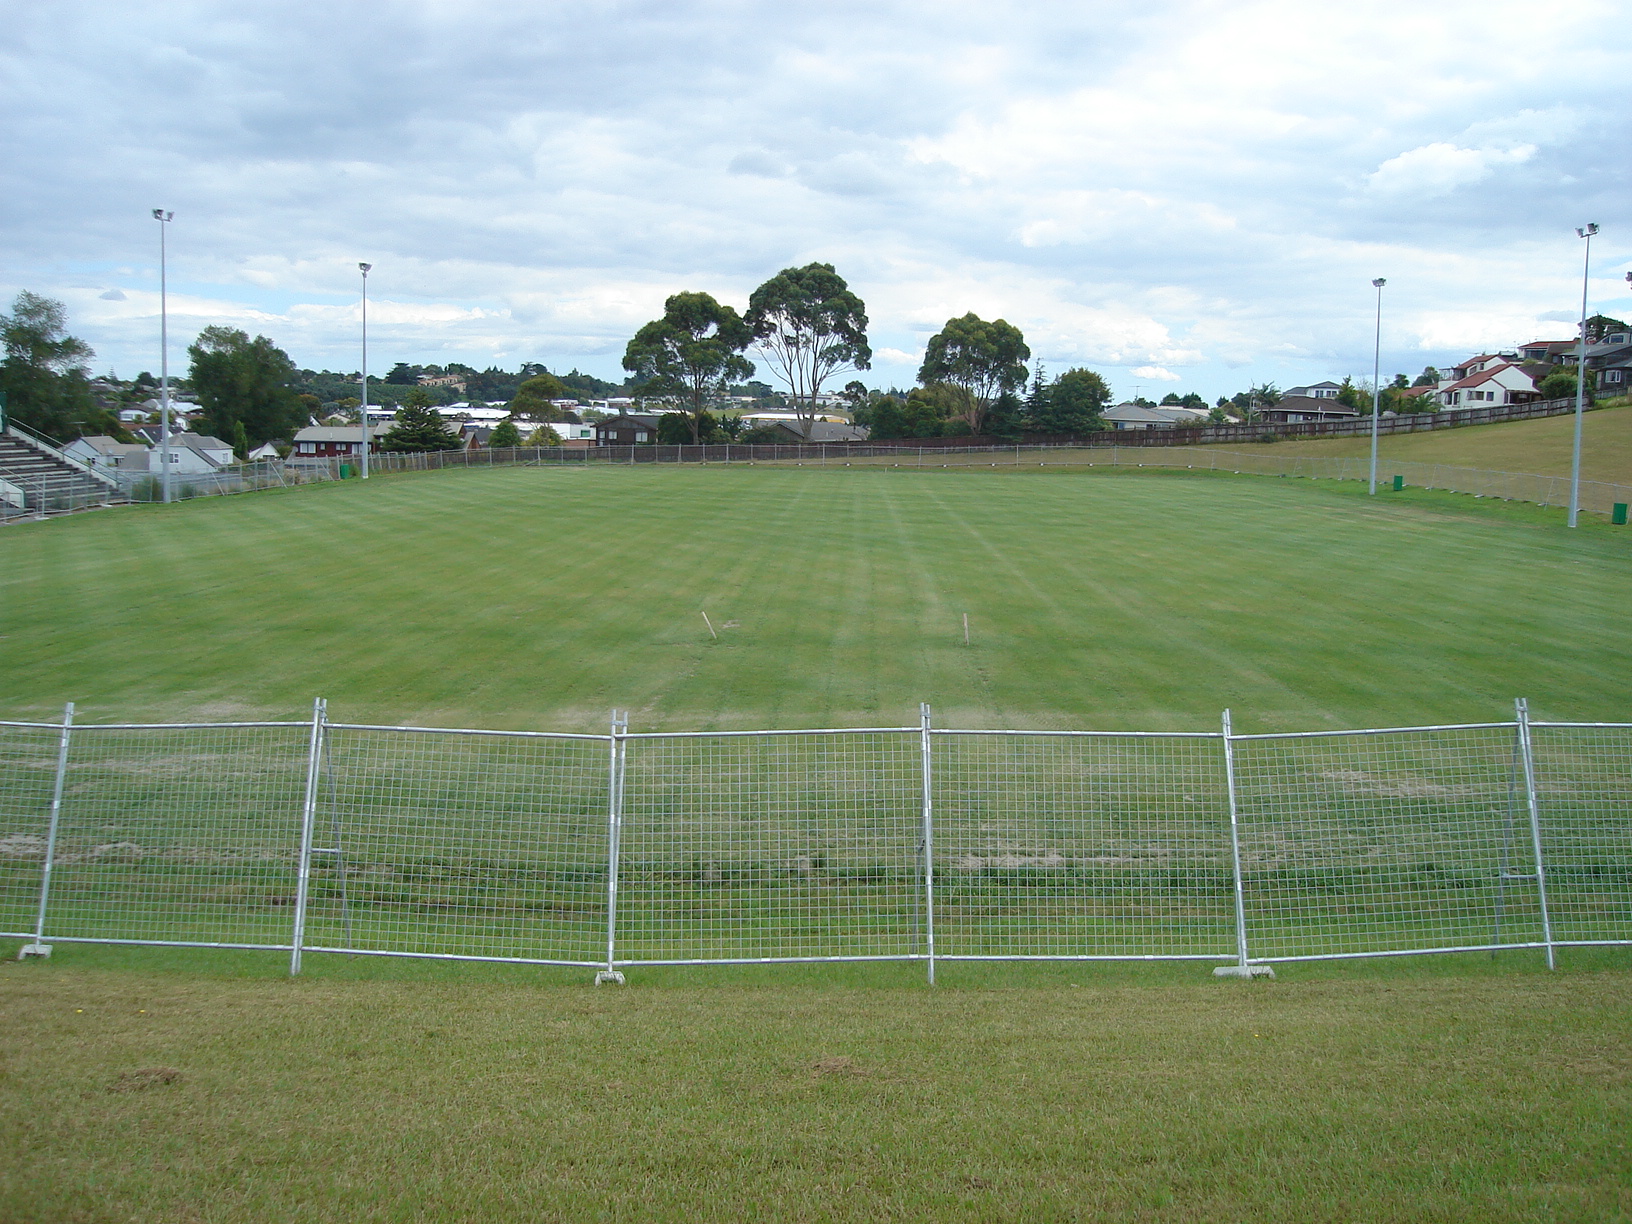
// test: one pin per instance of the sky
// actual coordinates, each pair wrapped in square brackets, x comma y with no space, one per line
[1183,196]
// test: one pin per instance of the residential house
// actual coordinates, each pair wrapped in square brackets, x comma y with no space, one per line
[1296,409]
[1609,364]
[1489,381]
[324,442]
[571,433]
[626,429]
[1547,352]
[456,381]
[1320,390]
[265,450]
[101,452]
[191,454]
[824,432]
[1137,416]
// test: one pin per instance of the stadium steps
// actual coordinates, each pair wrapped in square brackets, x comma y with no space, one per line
[45,480]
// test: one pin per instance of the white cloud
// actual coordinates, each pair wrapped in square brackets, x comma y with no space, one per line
[1440,168]
[1156,372]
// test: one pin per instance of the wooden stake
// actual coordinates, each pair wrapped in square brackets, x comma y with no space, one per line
[966,628]
[710,625]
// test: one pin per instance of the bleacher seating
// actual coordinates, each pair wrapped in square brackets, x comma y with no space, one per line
[49,481]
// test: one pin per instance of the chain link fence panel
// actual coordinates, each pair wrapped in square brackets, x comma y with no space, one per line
[489,845]
[1385,842]
[28,774]
[1584,796]
[757,847]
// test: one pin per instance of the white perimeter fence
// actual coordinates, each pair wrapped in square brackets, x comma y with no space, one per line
[896,843]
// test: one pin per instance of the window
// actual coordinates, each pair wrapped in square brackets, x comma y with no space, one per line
[640,435]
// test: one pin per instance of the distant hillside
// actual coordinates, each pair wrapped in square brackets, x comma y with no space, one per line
[1541,446]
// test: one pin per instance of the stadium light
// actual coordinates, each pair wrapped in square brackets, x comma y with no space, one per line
[163,218]
[366,268]
[1376,386]
[1580,379]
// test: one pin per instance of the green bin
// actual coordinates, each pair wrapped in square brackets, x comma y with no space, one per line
[1617,514]
[345,471]
[1399,483]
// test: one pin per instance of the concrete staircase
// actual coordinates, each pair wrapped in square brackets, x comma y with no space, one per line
[37,479]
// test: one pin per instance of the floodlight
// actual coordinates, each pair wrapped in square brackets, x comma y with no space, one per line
[1378,283]
[1592,228]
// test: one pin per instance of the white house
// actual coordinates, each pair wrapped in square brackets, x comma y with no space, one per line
[1490,381]
[190,455]
[101,452]
[1320,390]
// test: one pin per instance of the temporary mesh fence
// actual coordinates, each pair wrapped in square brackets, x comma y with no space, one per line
[903,843]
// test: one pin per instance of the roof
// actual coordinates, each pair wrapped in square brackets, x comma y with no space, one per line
[1137,412]
[826,431]
[1483,376]
[104,445]
[634,418]
[339,433]
[199,442]
[1309,403]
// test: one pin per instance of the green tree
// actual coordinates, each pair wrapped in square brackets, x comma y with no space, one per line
[44,374]
[239,380]
[1428,378]
[1073,405]
[405,375]
[926,412]
[809,327]
[533,398]
[419,427]
[505,435]
[1560,385]
[693,352]
[985,359]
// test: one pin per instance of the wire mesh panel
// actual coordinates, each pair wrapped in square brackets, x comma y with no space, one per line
[1081,846]
[1388,841]
[183,834]
[1584,792]
[460,844]
[28,772]
[767,847]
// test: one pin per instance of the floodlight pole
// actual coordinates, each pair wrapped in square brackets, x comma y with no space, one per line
[365,270]
[1580,379]
[163,218]
[1376,375]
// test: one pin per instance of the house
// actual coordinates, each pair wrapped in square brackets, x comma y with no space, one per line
[1295,409]
[1137,416]
[190,455]
[335,441]
[1320,390]
[101,452]
[1489,381]
[1548,352]
[456,381]
[571,433]
[626,429]
[823,432]
[264,451]
[1609,364]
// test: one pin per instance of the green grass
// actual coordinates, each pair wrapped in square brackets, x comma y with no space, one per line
[189,1087]
[1542,446]
[542,598]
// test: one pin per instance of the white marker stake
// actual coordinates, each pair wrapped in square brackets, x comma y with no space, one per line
[966,628]
[710,625]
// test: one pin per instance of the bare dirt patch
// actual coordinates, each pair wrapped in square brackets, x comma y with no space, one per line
[142,1080]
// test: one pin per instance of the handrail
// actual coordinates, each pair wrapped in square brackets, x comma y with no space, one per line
[30,438]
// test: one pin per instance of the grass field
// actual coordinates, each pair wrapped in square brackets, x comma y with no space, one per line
[1541,446]
[196,1088]
[531,597]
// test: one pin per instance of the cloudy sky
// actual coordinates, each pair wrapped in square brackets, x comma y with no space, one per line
[1182,195]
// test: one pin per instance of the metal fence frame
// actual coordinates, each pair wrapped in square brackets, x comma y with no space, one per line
[1147,857]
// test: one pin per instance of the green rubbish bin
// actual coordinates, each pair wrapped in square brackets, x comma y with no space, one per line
[1399,483]
[1617,514]
[345,471]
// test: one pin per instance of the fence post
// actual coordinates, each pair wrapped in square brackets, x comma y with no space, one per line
[308,814]
[1241,968]
[927,835]
[1522,712]
[39,947]
[614,837]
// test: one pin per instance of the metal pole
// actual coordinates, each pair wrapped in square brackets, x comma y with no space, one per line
[928,837]
[614,838]
[39,947]
[1376,374]
[1241,968]
[308,814]
[366,435]
[163,219]
[1523,712]
[1580,388]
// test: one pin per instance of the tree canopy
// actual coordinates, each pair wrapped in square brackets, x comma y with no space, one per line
[244,387]
[504,434]
[533,398]
[419,427]
[809,327]
[693,352]
[1073,404]
[43,375]
[985,359]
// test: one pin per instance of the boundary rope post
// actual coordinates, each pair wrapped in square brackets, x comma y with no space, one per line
[1522,712]
[617,748]
[308,814]
[39,948]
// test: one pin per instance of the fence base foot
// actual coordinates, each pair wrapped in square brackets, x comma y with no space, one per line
[31,951]
[609,975]
[1244,971]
